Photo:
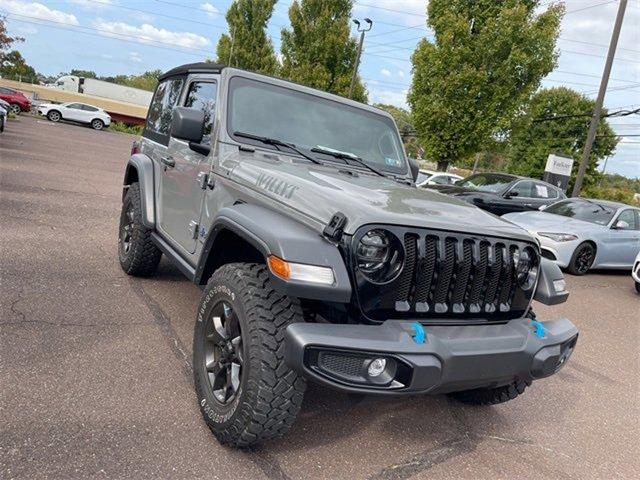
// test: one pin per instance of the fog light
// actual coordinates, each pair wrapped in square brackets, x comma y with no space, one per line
[377,367]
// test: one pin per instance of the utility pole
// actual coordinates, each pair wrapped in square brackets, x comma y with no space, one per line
[595,120]
[362,31]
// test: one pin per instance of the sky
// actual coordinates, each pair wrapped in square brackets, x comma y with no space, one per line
[131,36]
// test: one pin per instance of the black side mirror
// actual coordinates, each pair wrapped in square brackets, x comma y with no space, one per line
[414,166]
[188,124]
[511,194]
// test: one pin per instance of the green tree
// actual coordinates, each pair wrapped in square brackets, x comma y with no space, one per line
[6,40]
[486,59]
[556,120]
[83,73]
[14,67]
[318,50]
[403,120]
[247,45]
[146,81]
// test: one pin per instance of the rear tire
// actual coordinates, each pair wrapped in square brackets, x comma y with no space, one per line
[138,255]
[582,259]
[54,116]
[246,391]
[491,396]
[97,124]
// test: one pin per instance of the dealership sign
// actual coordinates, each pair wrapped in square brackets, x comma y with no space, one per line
[558,170]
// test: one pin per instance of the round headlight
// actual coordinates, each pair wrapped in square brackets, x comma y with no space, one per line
[379,256]
[526,265]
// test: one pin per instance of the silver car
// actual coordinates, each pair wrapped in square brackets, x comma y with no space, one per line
[580,234]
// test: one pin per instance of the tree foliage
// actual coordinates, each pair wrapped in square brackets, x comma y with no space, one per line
[247,44]
[556,120]
[318,49]
[13,66]
[486,59]
[403,120]
[146,81]
[6,40]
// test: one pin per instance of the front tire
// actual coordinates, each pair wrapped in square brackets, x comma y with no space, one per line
[582,259]
[247,393]
[137,253]
[54,116]
[491,396]
[15,108]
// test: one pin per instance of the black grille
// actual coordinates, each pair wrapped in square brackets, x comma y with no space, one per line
[341,364]
[449,276]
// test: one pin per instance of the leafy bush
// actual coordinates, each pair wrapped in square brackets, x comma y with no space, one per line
[124,128]
[615,194]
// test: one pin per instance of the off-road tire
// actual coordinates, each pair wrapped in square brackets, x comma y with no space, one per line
[270,393]
[638,287]
[54,116]
[143,256]
[491,396]
[574,268]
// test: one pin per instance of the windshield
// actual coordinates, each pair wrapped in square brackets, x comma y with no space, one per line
[486,182]
[423,177]
[308,121]
[586,211]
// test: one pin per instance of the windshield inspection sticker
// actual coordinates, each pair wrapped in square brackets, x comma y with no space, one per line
[392,162]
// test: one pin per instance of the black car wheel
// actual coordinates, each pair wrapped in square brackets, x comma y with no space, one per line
[246,391]
[15,108]
[582,259]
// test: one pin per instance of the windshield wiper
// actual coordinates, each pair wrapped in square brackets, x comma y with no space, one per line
[346,156]
[277,143]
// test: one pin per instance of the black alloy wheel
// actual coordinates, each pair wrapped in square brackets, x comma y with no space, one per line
[127,218]
[582,259]
[223,356]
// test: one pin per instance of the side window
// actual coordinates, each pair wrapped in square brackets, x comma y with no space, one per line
[75,106]
[89,108]
[523,188]
[542,191]
[441,180]
[202,96]
[630,217]
[161,109]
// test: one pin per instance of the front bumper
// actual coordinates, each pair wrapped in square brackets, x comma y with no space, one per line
[561,251]
[452,358]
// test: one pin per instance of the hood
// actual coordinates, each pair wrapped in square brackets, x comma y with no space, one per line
[321,191]
[549,222]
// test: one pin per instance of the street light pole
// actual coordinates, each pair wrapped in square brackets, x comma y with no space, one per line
[362,31]
[595,119]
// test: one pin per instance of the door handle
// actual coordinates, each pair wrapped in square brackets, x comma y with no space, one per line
[168,161]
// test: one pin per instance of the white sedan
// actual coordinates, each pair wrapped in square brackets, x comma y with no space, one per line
[427,177]
[76,112]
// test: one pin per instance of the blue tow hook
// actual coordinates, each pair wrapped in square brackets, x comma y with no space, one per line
[418,332]
[539,328]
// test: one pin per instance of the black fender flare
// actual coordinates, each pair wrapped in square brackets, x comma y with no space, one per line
[272,233]
[140,167]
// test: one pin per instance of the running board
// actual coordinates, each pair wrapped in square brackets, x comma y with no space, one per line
[186,269]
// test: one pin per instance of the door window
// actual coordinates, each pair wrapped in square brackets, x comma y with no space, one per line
[630,217]
[542,191]
[161,110]
[75,106]
[202,96]
[89,108]
[441,180]
[523,189]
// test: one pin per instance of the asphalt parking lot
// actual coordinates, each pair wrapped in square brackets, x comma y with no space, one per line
[95,375]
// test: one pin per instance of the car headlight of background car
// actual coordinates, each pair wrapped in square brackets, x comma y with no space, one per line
[380,256]
[558,237]
[526,265]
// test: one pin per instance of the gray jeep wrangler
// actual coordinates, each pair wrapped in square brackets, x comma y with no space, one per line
[297,214]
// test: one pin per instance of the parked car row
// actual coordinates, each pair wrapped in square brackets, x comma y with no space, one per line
[18,101]
[577,233]
[4,111]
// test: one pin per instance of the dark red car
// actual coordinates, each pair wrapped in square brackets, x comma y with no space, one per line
[18,101]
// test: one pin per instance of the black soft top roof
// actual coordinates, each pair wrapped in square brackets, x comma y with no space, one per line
[200,67]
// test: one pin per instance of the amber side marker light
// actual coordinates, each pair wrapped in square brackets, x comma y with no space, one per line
[300,271]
